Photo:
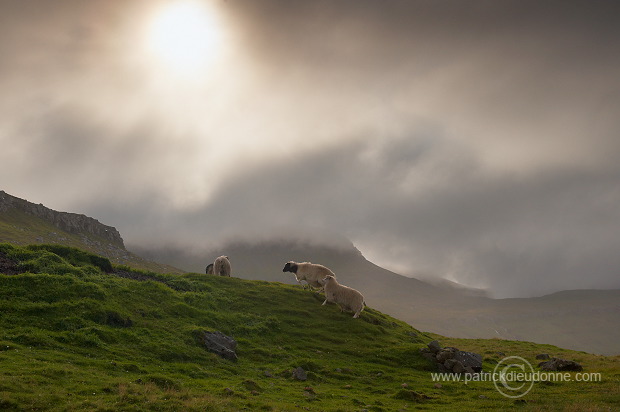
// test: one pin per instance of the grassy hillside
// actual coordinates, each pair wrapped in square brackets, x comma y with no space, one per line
[79,334]
[20,228]
[581,320]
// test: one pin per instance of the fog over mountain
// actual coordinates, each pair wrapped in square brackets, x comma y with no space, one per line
[470,141]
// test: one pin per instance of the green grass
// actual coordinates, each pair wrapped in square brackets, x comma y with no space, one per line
[75,336]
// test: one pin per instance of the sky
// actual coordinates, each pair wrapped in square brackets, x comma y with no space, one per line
[474,141]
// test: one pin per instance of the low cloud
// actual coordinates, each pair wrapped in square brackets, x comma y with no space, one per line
[475,141]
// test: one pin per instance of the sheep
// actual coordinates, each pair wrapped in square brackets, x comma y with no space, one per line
[209,269]
[310,272]
[221,266]
[347,298]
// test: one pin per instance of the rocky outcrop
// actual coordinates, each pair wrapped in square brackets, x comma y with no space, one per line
[451,359]
[68,222]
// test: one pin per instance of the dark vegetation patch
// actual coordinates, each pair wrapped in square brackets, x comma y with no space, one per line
[8,266]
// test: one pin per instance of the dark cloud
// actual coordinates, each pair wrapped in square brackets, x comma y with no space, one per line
[470,140]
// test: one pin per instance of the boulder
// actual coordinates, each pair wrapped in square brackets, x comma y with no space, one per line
[220,344]
[458,367]
[445,354]
[434,346]
[561,365]
[543,356]
[469,359]
[449,364]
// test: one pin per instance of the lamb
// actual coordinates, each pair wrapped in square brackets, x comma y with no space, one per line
[221,266]
[347,298]
[312,273]
[209,269]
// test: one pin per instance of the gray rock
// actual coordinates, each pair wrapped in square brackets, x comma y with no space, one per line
[220,344]
[429,356]
[445,354]
[434,346]
[458,367]
[449,363]
[473,360]
[442,369]
[543,356]
[300,374]
[561,365]
[469,370]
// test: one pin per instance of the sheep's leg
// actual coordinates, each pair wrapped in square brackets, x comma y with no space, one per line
[324,302]
[357,314]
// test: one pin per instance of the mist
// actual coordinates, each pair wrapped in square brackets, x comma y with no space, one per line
[475,142]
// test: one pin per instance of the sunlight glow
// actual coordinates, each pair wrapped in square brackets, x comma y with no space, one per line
[184,36]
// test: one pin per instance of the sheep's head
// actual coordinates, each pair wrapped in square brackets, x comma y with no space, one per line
[290,267]
[326,280]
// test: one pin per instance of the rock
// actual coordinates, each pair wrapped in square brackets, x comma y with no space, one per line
[543,356]
[438,386]
[434,346]
[442,369]
[447,358]
[458,367]
[469,370]
[561,365]
[268,374]
[430,356]
[300,374]
[445,354]
[473,360]
[449,363]
[220,344]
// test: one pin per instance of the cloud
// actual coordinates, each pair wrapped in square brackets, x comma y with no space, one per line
[475,141]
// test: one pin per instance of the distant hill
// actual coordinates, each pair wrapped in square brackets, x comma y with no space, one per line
[23,223]
[582,319]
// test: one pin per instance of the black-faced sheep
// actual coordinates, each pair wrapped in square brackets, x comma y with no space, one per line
[209,269]
[221,266]
[312,273]
[347,298]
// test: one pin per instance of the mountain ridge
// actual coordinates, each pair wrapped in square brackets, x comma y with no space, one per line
[23,222]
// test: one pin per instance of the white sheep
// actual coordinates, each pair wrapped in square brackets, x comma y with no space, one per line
[221,266]
[209,269]
[312,273]
[347,298]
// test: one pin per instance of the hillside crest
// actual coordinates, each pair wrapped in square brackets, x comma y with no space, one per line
[68,222]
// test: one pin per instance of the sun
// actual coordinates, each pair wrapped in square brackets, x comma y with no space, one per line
[184,35]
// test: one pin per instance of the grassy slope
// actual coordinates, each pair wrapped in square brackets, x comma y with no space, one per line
[73,337]
[20,228]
